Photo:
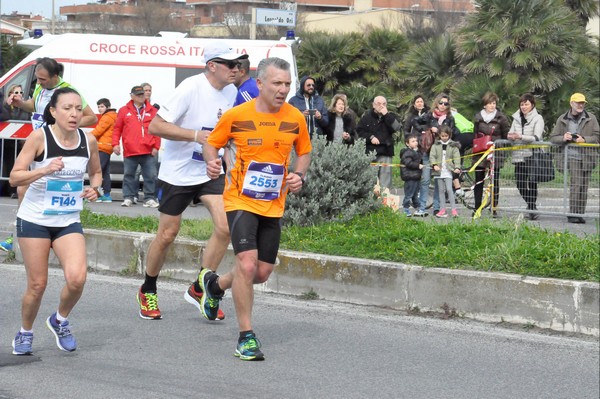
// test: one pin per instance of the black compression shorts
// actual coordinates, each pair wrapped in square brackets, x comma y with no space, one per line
[250,231]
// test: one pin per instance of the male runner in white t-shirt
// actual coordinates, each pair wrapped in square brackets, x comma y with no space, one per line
[184,123]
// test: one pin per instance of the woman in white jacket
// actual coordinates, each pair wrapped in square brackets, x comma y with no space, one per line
[527,127]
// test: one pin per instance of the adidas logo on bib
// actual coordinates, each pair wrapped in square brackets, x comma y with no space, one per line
[267,169]
[66,187]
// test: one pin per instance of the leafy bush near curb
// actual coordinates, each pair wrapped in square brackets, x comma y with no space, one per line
[339,185]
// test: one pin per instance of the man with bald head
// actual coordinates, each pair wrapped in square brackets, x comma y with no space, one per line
[377,127]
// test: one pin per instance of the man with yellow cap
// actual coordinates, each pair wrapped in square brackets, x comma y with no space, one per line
[578,126]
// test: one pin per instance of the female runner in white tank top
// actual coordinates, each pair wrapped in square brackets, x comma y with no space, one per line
[53,162]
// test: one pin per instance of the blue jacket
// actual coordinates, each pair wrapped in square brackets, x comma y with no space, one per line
[315,126]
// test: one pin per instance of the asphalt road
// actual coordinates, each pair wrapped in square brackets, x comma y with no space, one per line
[313,349]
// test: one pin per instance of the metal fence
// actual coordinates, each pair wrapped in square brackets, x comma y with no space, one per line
[573,191]
[9,149]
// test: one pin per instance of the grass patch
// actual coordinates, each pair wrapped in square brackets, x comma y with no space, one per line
[508,245]
[310,295]
[194,229]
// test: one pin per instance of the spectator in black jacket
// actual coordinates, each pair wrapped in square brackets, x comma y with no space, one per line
[410,172]
[341,122]
[418,108]
[377,127]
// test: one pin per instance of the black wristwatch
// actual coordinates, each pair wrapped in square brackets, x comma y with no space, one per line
[301,177]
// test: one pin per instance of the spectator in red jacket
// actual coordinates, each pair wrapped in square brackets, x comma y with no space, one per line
[139,147]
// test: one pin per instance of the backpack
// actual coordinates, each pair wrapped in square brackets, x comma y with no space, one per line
[462,124]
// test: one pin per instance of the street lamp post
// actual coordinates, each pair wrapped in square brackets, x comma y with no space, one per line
[52,30]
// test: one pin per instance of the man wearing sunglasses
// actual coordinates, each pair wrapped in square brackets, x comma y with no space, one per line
[184,121]
[308,101]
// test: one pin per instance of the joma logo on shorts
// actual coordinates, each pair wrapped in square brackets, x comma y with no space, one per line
[266,124]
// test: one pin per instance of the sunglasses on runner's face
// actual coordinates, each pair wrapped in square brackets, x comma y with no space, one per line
[17,92]
[445,103]
[230,64]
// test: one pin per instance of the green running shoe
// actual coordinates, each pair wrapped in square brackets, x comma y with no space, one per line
[209,303]
[249,348]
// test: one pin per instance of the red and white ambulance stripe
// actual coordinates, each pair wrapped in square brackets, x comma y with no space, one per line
[15,130]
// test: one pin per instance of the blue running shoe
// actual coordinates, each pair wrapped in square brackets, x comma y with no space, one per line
[64,339]
[249,348]
[22,343]
[7,245]
[105,198]
[209,304]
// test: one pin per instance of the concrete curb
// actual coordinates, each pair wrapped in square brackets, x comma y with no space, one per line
[560,305]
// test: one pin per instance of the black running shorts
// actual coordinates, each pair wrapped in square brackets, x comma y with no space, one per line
[174,200]
[250,231]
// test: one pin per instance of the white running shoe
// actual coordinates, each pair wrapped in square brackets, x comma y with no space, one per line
[150,204]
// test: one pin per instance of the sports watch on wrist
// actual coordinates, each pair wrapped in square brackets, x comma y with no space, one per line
[301,177]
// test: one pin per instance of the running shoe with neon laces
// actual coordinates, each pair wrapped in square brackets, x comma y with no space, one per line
[64,339]
[148,305]
[195,298]
[249,348]
[7,245]
[22,344]
[209,303]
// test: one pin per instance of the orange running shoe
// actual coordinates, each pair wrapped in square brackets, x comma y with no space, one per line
[148,305]
[195,298]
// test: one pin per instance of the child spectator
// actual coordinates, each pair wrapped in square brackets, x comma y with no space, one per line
[410,172]
[445,159]
[103,133]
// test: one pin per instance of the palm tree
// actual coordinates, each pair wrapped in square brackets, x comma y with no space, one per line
[585,10]
[330,59]
[534,45]
[381,51]
[519,41]
[468,92]
[360,96]
[429,68]
[586,80]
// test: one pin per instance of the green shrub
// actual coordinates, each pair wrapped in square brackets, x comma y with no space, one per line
[339,185]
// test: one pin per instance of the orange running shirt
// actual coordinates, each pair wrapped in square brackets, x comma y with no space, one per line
[259,154]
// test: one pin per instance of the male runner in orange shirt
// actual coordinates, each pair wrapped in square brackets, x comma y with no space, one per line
[261,135]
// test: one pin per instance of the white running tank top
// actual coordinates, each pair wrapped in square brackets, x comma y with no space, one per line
[55,200]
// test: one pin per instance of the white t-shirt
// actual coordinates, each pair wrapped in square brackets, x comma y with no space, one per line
[197,105]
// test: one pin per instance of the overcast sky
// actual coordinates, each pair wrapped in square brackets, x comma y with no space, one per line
[41,7]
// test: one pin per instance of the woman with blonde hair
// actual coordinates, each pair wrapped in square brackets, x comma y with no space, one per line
[341,126]
[10,112]
[439,115]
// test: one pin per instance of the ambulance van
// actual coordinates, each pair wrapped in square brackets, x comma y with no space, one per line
[108,66]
